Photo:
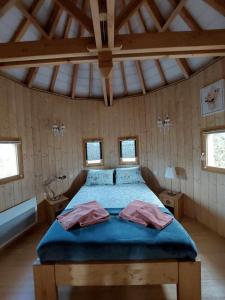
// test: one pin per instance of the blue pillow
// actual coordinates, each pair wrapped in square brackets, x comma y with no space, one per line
[129,175]
[99,177]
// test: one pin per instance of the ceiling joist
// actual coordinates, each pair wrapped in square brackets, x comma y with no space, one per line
[135,46]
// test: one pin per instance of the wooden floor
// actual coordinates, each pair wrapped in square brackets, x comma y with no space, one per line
[16,282]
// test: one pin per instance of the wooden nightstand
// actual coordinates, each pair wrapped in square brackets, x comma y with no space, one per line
[54,207]
[174,203]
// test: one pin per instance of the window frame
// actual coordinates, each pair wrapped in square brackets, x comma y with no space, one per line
[17,141]
[85,141]
[126,138]
[204,133]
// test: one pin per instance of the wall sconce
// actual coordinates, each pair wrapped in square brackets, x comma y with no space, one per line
[164,124]
[58,129]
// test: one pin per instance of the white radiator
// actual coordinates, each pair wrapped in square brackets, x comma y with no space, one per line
[16,220]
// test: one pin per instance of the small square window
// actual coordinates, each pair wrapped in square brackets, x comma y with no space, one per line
[213,149]
[93,152]
[11,165]
[128,150]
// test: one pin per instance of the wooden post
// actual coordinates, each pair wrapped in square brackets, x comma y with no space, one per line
[44,282]
[189,281]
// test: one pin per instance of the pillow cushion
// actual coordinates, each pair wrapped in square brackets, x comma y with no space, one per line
[99,177]
[129,175]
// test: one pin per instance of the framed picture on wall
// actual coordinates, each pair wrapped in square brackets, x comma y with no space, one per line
[212,98]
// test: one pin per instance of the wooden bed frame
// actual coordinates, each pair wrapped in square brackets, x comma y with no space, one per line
[185,274]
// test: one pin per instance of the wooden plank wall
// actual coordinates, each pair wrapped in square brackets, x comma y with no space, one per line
[30,114]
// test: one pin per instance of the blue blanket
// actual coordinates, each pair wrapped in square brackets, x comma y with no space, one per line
[117,240]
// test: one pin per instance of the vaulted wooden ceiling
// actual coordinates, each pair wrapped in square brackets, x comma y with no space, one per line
[107,49]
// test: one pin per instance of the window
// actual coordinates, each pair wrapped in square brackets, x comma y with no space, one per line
[128,150]
[213,149]
[11,166]
[93,152]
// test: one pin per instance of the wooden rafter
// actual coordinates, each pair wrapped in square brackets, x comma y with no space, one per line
[104,57]
[5,5]
[160,70]
[173,15]
[160,23]
[49,31]
[96,23]
[137,63]
[218,5]
[122,70]
[24,25]
[155,14]
[75,12]
[55,20]
[90,80]
[32,19]
[31,76]
[186,16]
[111,22]
[156,61]
[135,46]
[126,13]
[54,77]
[76,67]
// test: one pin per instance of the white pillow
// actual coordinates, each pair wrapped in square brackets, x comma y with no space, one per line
[129,175]
[99,177]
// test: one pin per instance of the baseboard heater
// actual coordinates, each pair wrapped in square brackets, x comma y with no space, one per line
[16,220]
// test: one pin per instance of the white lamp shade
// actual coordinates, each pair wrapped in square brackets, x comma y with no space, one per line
[170,173]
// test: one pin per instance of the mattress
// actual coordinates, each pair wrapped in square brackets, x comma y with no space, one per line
[116,239]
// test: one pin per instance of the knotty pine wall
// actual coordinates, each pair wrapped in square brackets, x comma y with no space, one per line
[30,114]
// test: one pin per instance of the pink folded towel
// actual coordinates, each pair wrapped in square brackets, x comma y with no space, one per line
[146,214]
[84,214]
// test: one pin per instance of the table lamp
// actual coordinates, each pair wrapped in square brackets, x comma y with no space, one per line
[170,173]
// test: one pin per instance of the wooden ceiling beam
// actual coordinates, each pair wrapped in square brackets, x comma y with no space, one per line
[160,70]
[75,12]
[122,70]
[32,19]
[218,5]
[186,70]
[173,15]
[90,80]
[137,63]
[54,20]
[155,14]
[5,5]
[31,76]
[186,16]
[96,23]
[169,44]
[24,25]
[50,29]
[126,13]
[54,78]
[162,26]
[80,32]
[111,22]
[157,62]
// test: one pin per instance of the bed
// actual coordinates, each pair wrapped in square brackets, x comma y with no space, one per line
[117,252]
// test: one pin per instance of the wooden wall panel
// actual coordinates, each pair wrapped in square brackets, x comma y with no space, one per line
[30,114]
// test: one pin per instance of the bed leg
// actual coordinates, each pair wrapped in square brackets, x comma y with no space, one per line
[189,281]
[44,282]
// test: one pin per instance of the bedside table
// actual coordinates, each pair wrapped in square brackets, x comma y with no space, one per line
[54,207]
[173,203]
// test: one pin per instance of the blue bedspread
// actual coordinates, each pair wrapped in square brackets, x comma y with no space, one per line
[116,239]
